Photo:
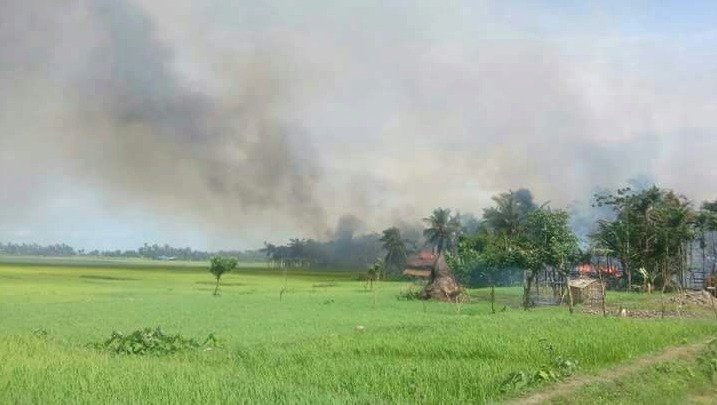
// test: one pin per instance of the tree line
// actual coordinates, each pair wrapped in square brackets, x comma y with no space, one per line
[147,251]
[344,252]
[656,237]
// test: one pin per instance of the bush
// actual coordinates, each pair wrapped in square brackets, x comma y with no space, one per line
[40,333]
[558,368]
[150,341]
[707,360]
[410,293]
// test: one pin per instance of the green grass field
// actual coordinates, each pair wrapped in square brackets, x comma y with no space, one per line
[305,347]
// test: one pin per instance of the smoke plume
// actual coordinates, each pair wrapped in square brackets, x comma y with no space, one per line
[269,117]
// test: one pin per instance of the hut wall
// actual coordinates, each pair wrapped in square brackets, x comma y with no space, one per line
[590,294]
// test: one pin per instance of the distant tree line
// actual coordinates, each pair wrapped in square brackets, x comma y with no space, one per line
[33,249]
[656,237]
[345,252]
[147,251]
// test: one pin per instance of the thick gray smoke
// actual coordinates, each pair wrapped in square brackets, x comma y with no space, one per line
[269,116]
[132,128]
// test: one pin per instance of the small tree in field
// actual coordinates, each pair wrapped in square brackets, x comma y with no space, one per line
[219,266]
[375,271]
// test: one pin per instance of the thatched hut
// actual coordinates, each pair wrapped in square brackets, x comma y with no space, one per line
[432,267]
[442,285]
[420,265]
[586,290]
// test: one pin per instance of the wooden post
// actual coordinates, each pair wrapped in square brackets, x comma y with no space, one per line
[492,298]
[712,299]
[570,294]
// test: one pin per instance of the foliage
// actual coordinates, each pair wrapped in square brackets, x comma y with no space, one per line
[154,251]
[347,251]
[549,241]
[33,249]
[485,259]
[396,252]
[557,368]
[707,360]
[220,265]
[443,229]
[652,230]
[40,333]
[411,292]
[510,211]
[149,341]
[375,271]
[519,235]
[706,235]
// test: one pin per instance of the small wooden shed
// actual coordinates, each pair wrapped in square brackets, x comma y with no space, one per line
[586,290]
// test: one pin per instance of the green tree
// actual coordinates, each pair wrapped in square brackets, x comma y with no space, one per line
[219,266]
[550,242]
[510,211]
[652,231]
[374,271]
[616,239]
[485,255]
[395,248]
[443,230]
[442,233]
[705,228]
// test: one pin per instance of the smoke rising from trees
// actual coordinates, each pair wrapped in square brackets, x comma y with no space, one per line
[239,116]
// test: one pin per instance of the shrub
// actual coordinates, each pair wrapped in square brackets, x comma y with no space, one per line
[410,293]
[150,341]
[558,368]
[707,360]
[40,333]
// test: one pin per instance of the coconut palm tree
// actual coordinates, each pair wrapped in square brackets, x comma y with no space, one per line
[442,232]
[395,248]
[510,211]
[443,229]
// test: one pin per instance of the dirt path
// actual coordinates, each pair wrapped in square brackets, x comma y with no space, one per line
[572,384]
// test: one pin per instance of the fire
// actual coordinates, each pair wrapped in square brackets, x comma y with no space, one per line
[588,270]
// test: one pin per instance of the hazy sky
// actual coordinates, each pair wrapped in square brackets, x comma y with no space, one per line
[221,124]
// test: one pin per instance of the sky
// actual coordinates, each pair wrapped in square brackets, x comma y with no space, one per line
[222,124]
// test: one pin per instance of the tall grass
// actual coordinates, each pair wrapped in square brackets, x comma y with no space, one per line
[304,348]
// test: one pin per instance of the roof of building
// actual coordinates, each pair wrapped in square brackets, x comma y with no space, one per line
[423,260]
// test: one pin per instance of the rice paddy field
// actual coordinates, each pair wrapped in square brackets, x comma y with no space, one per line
[299,337]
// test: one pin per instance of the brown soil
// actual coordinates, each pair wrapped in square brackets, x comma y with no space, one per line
[640,313]
[694,298]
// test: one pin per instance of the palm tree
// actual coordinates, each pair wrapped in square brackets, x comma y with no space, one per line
[443,229]
[442,232]
[395,248]
[510,211]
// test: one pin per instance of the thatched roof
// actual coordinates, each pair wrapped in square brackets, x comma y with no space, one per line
[423,260]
